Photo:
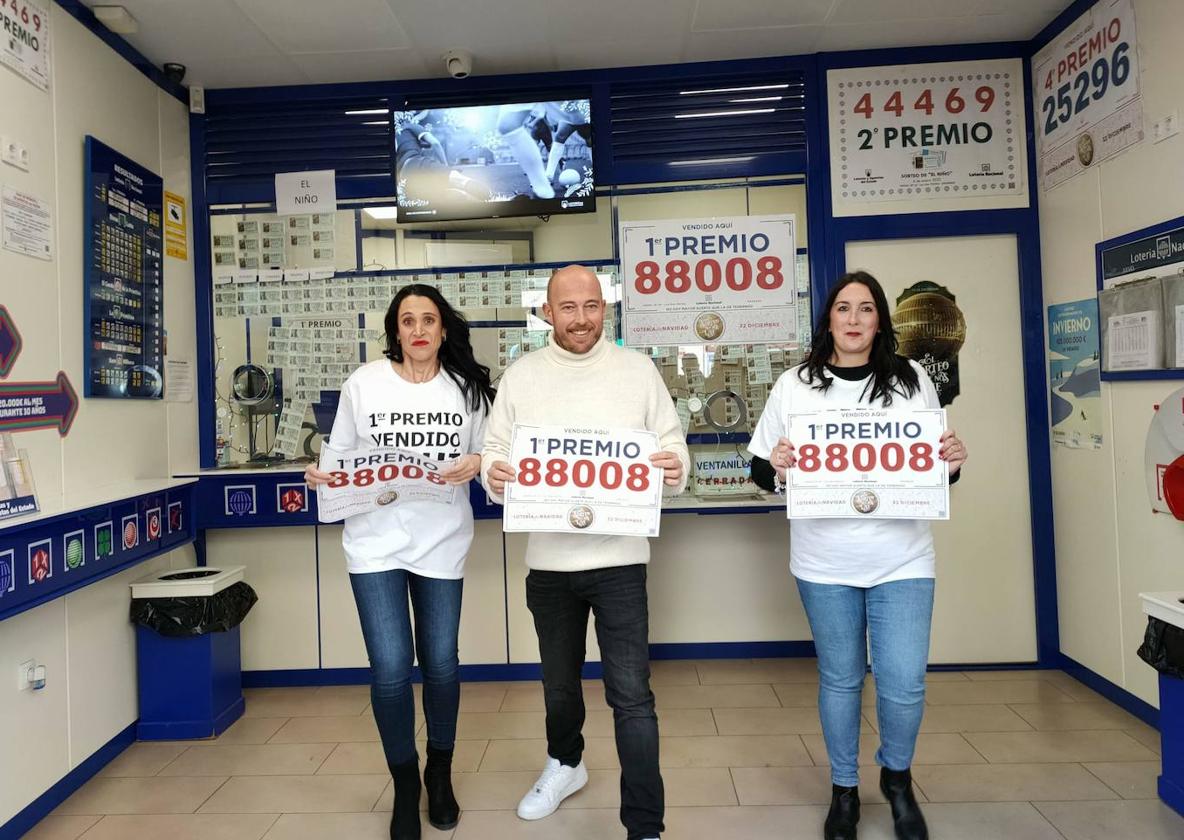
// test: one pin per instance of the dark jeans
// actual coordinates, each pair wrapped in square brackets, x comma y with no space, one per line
[386,627]
[560,602]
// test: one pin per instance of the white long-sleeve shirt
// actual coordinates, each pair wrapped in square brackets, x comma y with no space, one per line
[607,387]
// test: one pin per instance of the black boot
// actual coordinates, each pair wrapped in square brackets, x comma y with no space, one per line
[844,813]
[897,786]
[443,812]
[405,815]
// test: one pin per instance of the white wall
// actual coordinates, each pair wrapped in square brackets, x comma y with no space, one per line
[84,638]
[1109,545]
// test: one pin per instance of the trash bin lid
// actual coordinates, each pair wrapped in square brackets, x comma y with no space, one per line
[201,581]
[1166,606]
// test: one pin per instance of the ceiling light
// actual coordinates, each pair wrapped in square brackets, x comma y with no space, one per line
[116,18]
[759,99]
[740,113]
[734,89]
[382,212]
[702,161]
[367,112]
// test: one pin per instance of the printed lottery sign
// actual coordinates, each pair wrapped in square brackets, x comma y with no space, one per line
[1086,92]
[592,481]
[952,130]
[366,480]
[870,463]
[702,281]
[24,41]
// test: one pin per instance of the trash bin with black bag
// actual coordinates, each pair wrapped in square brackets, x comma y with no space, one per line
[187,651]
[1163,650]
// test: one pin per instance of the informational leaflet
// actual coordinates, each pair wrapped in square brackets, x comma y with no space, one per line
[592,481]
[366,480]
[25,43]
[1134,341]
[1074,374]
[868,463]
[27,223]
[950,131]
[1086,94]
[724,280]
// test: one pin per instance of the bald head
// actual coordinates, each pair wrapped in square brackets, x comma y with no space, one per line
[575,308]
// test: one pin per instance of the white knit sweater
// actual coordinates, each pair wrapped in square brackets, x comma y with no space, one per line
[607,387]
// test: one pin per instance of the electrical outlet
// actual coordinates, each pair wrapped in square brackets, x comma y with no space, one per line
[1166,126]
[13,153]
[23,674]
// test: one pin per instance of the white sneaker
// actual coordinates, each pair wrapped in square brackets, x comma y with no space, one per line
[556,783]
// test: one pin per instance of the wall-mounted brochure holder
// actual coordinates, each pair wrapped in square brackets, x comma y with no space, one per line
[1141,303]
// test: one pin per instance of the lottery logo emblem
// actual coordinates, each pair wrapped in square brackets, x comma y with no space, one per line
[709,326]
[175,520]
[154,524]
[388,498]
[40,562]
[7,573]
[104,541]
[865,501]
[73,550]
[291,498]
[240,500]
[131,532]
[580,517]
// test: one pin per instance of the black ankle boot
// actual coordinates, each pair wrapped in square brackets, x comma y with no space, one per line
[405,815]
[443,812]
[897,786]
[844,813]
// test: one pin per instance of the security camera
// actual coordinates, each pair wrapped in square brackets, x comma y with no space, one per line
[174,72]
[458,63]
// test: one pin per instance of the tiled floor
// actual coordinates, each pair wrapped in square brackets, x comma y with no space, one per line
[1021,755]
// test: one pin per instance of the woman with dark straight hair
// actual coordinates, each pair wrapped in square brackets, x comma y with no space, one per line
[430,396]
[862,580]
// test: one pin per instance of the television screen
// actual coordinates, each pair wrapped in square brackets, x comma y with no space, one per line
[480,161]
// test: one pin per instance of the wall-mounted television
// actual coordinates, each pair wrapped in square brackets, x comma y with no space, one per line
[484,161]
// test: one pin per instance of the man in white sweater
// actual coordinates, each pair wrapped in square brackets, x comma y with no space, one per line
[580,378]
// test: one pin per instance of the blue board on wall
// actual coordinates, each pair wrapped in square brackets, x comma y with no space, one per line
[123,273]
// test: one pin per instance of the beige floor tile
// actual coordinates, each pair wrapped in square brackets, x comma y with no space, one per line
[671,672]
[932,748]
[1144,820]
[1130,779]
[296,794]
[1008,782]
[700,786]
[945,676]
[250,730]
[478,697]
[529,698]
[1147,736]
[302,702]
[60,828]
[755,822]
[1079,715]
[484,726]
[1003,691]
[793,786]
[767,721]
[974,718]
[140,796]
[183,827]
[529,754]
[805,695]
[249,760]
[143,758]
[1015,674]
[968,821]
[566,823]
[756,671]
[734,751]
[367,826]
[330,730]
[1037,747]
[367,757]
[714,697]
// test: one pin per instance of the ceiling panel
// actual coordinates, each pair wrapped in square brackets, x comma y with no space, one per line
[868,11]
[602,21]
[713,15]
[620,52]
[337,26]
[778,40]
[184,31]
[364,66]
[244,71]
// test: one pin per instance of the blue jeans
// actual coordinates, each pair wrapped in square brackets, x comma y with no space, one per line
[895,617]
[616,596]
[386,627]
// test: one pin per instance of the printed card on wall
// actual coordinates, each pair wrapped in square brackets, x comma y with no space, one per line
[1074,374]
[1086,95]
[926,133]
[724,280]
[25,45]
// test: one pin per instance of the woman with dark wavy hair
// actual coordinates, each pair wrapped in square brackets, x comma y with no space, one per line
[429,396]
[861,580]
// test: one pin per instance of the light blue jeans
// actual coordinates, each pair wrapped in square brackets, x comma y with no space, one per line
[895,618]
